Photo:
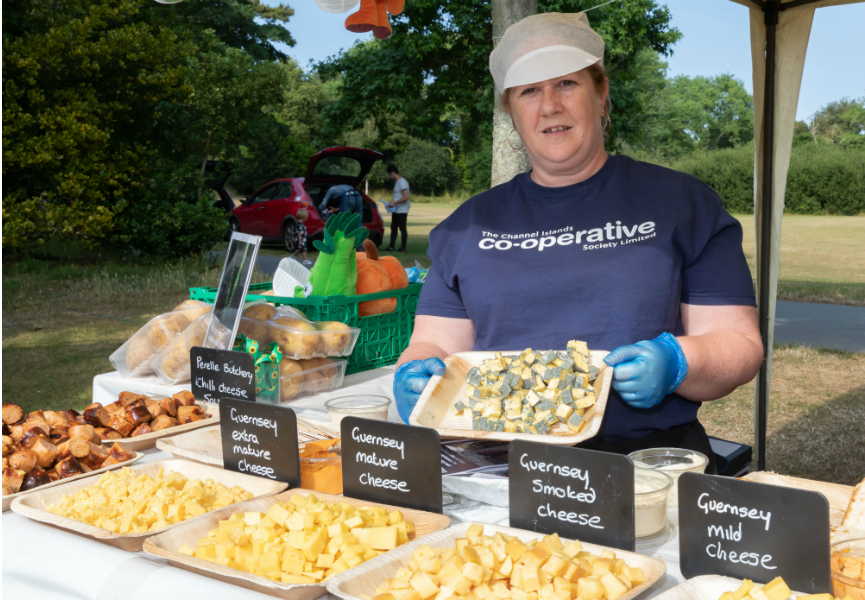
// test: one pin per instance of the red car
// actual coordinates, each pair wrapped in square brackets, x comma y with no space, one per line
[271,211]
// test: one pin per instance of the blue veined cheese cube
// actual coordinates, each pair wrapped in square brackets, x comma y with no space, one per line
[551,419]
[567,365]
[563,412]
[491,411]
[530,428]
[476,413]
[565,396]
[556,362]
[550,395]
[586,402]
[513,408]
[476,424]
[500,425]
[569,379]
[581,380]
[547,356]
[574,422]
[526,384]
[578,393]
[492,424]
[552,373]
[529,357]
[533,397]
[541,427]
[515,381]
[593,372]
[482,423]
[501,389]
[561,355]
[458,407]
[513,357]
[539,368]
[545,404]
[541,415]
[581,363]
[474,376]
[510,427]
[578,347]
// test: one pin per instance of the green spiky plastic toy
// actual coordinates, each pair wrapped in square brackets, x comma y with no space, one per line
[335,270]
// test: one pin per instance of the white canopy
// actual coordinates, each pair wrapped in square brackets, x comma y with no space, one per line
[779,40]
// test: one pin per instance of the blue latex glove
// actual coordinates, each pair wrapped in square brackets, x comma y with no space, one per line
[410,380]
[647,371]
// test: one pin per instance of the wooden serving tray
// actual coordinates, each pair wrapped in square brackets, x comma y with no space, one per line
[838,495]
[203,445]
[7,500]
[34,505]
[704,587]
[433,408]
[366,577]
[148,440]
[166,544]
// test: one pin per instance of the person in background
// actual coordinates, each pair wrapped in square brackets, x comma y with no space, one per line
[302,216]
[333,198]
[400,206]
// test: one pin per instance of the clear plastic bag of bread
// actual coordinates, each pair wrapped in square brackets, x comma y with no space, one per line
[172,364]
[134,358]
[298,378]
[298,337]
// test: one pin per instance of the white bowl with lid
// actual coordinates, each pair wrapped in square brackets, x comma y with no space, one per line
[363,406]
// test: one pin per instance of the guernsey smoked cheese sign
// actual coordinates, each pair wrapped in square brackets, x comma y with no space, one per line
[391,463]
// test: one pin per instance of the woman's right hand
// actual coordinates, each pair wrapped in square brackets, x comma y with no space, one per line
[410,380]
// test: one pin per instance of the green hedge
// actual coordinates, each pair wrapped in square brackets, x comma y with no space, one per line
[822,179]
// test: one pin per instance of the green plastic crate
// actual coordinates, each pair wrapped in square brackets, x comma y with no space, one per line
[382,337]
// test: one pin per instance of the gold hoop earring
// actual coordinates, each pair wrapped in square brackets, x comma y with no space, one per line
[605,127]
[511,145]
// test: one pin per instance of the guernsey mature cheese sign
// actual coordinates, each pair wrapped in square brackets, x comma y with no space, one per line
[580,494]
[391,463]
[754,531]
[260,439]
[218,374]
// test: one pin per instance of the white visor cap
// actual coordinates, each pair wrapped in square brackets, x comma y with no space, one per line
[544,46]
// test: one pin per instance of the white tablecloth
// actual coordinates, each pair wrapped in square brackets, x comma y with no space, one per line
[43,562]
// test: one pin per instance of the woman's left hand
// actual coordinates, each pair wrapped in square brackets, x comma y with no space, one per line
[645,372]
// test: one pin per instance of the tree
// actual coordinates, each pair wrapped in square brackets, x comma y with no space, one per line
[434,69]
[840,122]
[696,113]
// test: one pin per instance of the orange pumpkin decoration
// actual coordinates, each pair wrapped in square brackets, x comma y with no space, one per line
[398,276]
[372,277]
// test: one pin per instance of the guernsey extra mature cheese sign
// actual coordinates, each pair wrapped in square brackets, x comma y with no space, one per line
[260,439]
[580,494]
[218,374]
[391,463]
[754,531]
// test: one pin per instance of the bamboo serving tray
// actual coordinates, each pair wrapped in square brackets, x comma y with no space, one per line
[704,587]
[34,505]
[165,545]
[433,408]
[838,495]
[203,445]
[148,440]
[366,577]
[7,500]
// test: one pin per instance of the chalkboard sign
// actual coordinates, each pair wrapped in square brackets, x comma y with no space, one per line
[391,463]
[753,531]
[222,374]
[580,494]
[259,439]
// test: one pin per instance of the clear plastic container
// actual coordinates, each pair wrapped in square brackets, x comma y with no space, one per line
[848,556]
[307,377]
[365,407]
[298,338]
[322,474]
[135,357]
[172,364]
[673,462]
[650,501]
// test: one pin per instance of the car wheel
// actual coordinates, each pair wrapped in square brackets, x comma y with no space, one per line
[289,235]
[233,226]
[375,238]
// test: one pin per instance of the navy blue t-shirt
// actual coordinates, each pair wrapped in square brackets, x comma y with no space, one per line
[608,261]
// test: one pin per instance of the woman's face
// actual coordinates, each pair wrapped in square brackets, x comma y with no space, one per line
[559,121]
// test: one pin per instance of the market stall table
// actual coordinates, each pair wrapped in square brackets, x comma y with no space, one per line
[48,563]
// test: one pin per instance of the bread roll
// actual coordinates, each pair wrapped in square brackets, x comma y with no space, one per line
[289,387]
[164,328]
[253,324]
[138,353]
[335,344]
[293,341]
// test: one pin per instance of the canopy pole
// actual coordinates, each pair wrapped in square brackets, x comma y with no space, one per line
[761,410]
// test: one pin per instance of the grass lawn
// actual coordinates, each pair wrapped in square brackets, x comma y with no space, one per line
[70,318]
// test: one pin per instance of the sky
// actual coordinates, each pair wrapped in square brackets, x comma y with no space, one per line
[715,40]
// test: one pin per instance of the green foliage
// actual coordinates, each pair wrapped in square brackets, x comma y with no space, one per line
[428,168]
[823,179]
[477,169]
[841,122]
[433,70]
[109,105]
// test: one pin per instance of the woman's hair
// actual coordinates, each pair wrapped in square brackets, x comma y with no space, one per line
[596,72]
[302,215]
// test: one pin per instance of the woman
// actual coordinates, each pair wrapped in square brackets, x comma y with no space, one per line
[621,254]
